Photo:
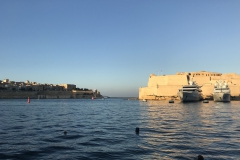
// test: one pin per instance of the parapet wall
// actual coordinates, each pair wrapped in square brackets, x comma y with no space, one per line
[154,80]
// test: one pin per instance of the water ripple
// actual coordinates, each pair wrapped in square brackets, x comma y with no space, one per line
[105,129]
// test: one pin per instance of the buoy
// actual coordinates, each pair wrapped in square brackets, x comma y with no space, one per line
[137,130]
[200,157]
[171,101]
[28,101]
[205,101]
[65,132]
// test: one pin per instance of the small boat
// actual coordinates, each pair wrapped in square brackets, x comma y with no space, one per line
[144,100]
[221,92]
[205,101]
[190,92]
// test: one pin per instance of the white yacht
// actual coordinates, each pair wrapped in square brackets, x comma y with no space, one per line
[221,92]
[191,92]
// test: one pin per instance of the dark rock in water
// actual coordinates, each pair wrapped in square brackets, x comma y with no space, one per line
[200,157]
[137,130]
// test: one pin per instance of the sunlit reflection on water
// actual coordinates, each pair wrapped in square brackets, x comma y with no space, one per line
[192,128]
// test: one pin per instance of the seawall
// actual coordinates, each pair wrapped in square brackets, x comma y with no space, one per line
[46,95]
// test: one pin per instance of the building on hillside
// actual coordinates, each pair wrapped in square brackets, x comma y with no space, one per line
[7,85]
[6,80]
[68,87]
[167,86]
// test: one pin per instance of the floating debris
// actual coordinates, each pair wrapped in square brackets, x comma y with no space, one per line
[200,157]
[137,130]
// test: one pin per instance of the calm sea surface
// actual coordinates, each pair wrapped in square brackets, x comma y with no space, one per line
[105,129]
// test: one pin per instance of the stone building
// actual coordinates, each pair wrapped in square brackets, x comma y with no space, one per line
[68,87]
[167,86]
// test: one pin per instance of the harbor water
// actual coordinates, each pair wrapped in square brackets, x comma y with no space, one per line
[105,129]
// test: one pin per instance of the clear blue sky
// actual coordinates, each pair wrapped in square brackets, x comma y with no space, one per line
[114,45]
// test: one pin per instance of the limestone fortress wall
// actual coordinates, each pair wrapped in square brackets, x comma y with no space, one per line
[167,86]
[50,94]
